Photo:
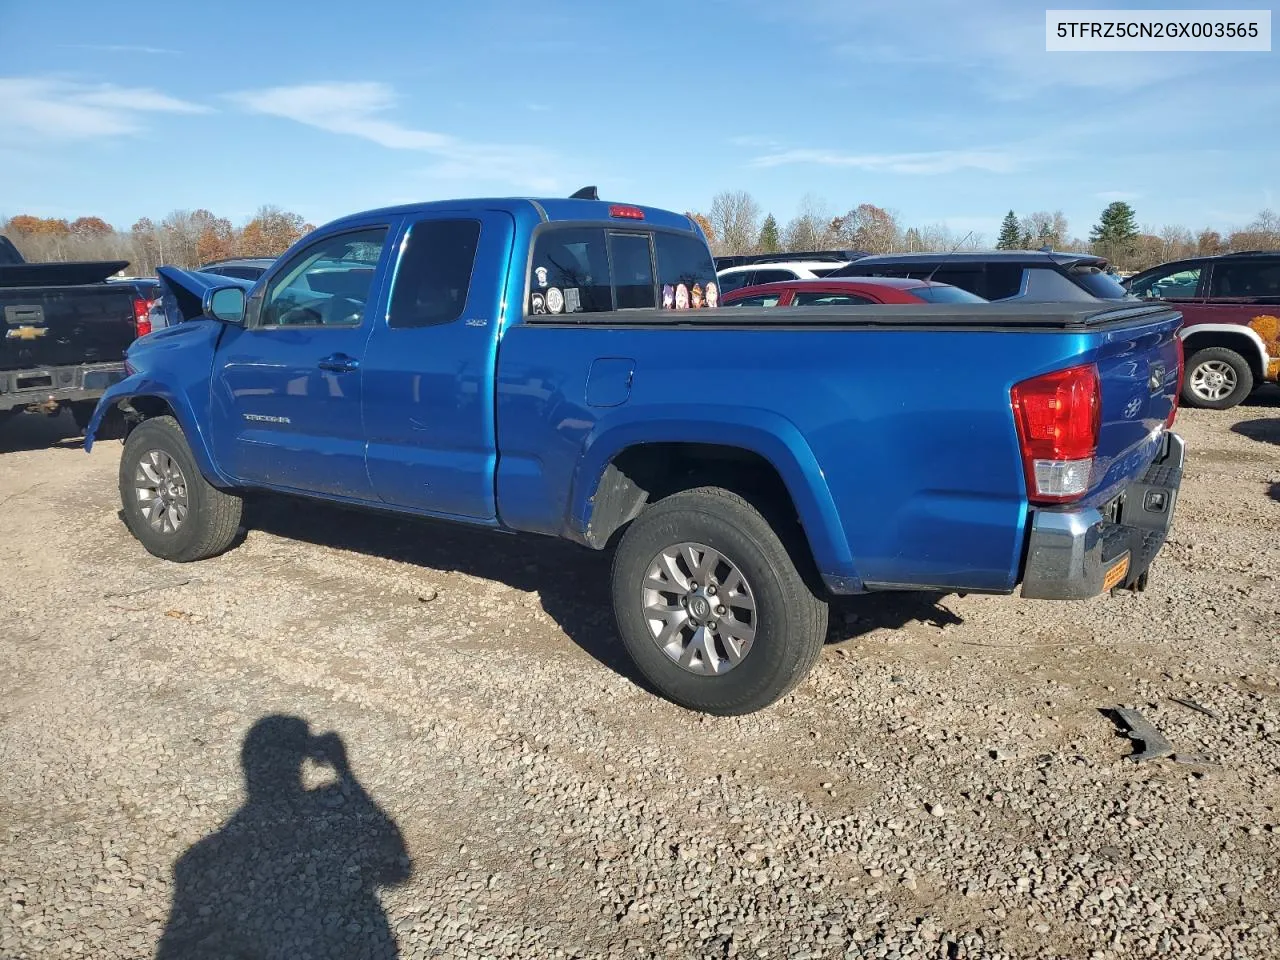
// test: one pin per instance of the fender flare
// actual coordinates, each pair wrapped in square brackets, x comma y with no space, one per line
[141,385]
[762,432]
[1237,329]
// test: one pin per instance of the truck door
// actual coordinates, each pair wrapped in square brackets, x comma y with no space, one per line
[429,368]
[287,387]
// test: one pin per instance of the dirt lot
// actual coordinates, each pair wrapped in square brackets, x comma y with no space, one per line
[945,785]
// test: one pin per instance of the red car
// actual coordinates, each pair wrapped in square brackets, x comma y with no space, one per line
[847,292]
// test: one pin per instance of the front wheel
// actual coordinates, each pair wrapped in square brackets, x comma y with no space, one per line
[168,505]
[711,606]
[1216,378]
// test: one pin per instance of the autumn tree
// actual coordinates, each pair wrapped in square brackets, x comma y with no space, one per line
[1010,232]
[215,238]
[89,228]
[1209,243]
[270,232]
[735,219]
[703,224]
[1262,234]
[867,227]
[769,240]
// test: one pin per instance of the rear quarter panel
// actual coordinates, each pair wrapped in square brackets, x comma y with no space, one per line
[898,447]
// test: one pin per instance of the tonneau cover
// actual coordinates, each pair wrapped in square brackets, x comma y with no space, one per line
[979,316]
[58,274]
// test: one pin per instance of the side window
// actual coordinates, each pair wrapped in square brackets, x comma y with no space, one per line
[242,273]
[434,274]
[632,265]
[1181,283]
[773,276]
[327,284]
[570,272]
[815,299]
[733,281]
[759,300]
[686,271]
[1003,280]
[1246,279]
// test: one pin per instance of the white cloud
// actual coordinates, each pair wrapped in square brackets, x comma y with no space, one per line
[62,110]
[119,48]
[359,110]
[922,163]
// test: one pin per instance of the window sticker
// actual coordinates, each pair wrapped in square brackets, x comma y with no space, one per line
[713,296]
[695,297]
[541,274]
[572,300]
[538,304]
[555,300]
[682,297]
[668,296]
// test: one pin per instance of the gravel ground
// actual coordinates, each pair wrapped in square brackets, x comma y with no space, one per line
[357,737]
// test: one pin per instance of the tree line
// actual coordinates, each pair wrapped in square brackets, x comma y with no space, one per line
[736,224]
[184,238]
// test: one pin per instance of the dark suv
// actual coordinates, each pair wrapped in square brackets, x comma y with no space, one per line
[243,268]
[1231,321]
[1001,274]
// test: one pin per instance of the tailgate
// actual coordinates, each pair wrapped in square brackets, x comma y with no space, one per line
[46,327]
[1139,369]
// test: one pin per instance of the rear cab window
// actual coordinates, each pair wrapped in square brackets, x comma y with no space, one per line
[434,274]
[600,269]
[1098,282]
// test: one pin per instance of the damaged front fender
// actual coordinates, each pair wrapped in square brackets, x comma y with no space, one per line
[139,396]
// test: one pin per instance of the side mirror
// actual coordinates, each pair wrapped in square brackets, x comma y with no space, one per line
[225,304]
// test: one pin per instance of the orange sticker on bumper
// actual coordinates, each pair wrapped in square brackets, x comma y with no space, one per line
[1116,574]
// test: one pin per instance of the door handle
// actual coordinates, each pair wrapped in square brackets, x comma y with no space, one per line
[339,363]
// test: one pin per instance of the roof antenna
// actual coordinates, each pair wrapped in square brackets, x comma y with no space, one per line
[939,264]
[586,193]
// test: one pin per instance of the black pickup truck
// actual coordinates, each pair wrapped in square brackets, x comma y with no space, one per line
[64,332]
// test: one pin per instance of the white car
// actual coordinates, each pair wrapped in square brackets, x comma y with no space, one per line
[749,275]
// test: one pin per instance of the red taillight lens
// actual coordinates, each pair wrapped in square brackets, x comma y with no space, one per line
[1177,384]
[142,316]
[626,213]
[1059,417]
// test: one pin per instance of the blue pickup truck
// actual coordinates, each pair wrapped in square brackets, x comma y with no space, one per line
[559,367]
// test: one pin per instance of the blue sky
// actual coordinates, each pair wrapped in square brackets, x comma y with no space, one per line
[943,111]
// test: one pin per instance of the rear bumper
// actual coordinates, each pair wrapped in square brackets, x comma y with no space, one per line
[38,386]
[1074,554]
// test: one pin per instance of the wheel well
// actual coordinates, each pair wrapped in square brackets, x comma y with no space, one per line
[1241,343]
[144,408]
[647,472]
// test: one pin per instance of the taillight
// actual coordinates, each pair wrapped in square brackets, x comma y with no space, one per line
[1177,384]
[626,213]
[142,316]
[1059,417]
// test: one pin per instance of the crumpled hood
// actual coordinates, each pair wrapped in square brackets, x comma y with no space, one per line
[184,290]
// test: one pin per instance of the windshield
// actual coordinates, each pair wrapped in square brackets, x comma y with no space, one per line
[1099,283]
[943,293]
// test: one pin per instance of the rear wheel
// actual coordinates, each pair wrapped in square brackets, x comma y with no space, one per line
[168,505]
[711,606]
[1216,378]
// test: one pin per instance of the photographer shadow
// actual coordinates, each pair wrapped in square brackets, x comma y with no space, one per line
[295,872]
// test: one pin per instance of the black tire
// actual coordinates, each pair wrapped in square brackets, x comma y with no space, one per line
[791,621]
[213,516]
[1238,364]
